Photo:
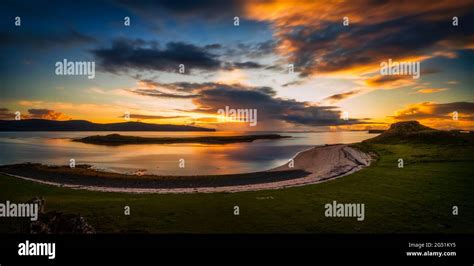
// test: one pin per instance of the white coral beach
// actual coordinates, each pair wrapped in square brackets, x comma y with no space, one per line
[323,163]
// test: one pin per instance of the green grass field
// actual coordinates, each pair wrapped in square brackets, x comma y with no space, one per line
[415,199]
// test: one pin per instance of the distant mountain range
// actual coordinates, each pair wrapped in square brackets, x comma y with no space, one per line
[82,125]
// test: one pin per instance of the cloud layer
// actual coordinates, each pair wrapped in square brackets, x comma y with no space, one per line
[210,97]
[319,43]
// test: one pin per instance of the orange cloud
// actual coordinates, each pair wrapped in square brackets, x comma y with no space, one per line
[439,115]
[430,90]
[311,35]
[389,82]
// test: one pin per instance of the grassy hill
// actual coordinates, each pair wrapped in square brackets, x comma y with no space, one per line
[414,132]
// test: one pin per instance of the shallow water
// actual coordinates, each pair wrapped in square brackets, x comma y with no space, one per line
[163,159]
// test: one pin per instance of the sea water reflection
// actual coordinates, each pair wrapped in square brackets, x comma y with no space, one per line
[56,148]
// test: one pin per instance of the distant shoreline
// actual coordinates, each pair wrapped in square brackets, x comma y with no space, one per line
[311,166]
[31,125]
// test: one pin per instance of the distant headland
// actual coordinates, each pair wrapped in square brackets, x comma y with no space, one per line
[82,125]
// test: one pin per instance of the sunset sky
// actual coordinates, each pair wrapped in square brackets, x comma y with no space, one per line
[336,67]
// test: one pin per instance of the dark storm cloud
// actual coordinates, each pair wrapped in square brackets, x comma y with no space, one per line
[138,54]
[132,54]
[269,107]
[210,97]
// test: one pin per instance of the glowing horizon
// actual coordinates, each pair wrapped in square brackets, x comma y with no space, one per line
[336,54]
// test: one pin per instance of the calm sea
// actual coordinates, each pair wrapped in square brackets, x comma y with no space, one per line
[56,148]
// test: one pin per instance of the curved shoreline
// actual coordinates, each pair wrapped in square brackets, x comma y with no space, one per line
[312,166]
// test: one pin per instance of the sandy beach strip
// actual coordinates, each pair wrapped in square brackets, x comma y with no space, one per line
[316,165]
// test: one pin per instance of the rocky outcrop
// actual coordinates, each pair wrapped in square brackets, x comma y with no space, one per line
[414,132]
[54,222]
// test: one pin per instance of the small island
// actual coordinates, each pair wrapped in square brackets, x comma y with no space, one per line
[117,139]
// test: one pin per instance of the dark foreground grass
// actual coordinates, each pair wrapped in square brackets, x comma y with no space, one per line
[415,199]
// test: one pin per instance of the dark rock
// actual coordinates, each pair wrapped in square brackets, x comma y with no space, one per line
[57,222]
